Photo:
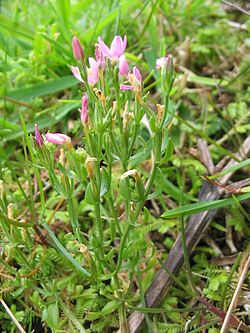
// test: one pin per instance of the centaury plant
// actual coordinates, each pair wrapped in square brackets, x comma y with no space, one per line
[105,183]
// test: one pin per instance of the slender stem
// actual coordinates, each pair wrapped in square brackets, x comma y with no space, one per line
[132,142]
[99,226]
[74,220]
[157,156]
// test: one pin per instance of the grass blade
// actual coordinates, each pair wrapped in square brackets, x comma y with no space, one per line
[198,207]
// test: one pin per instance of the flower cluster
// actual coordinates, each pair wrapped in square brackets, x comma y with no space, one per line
[102,53]
[90,75]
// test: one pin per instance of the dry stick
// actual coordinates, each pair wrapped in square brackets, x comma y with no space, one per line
[235,296]
[196,226]
[12,316]
[205,156]
[236,7]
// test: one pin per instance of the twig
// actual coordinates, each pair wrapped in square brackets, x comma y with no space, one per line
[197,225]
[205,156]
[235,296]
[237,25]
[12,316]
[236,7]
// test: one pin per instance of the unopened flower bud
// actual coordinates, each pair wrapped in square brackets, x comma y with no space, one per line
[77,49]
[84,110]
[38,137]
[58,138]
[123,66]
[168,74]
[81,153]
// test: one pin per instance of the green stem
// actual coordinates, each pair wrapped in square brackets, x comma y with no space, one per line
[132,142]
[122,310]
[99,226]
[157,156]
[74,220]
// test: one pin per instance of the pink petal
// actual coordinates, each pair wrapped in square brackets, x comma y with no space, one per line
[116,49]
[99,56]
[77,49]
[38,137]
[93,71]
[123,66]
[76,72]
[124,43]
[160,63]
[137,74]
[104,48]
[57,138]
[84,110]
[126,87]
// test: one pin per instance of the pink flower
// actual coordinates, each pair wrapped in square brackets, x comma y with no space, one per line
[135,80]
[58,138]
[84,110]
[164,62]
[123,66]
[76,72]
[137,73]
[99,56]
[77,49]
[161,62]
[38,137]
[116,49]
[93,71]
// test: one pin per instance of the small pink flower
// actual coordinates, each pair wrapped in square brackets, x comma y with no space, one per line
[99,56]
[38,137]
[93,71]
[123,66]
[58,138]
[77,49]
[135,80]
[76,72]
[165,62]
[137,73]
[84,110]
[116,49]
[161,62]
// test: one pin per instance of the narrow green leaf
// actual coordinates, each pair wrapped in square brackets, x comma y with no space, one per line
[207,81]
[233,168]
[72,317]
[42,89]
[169,151]
[64,252]
[203,206]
